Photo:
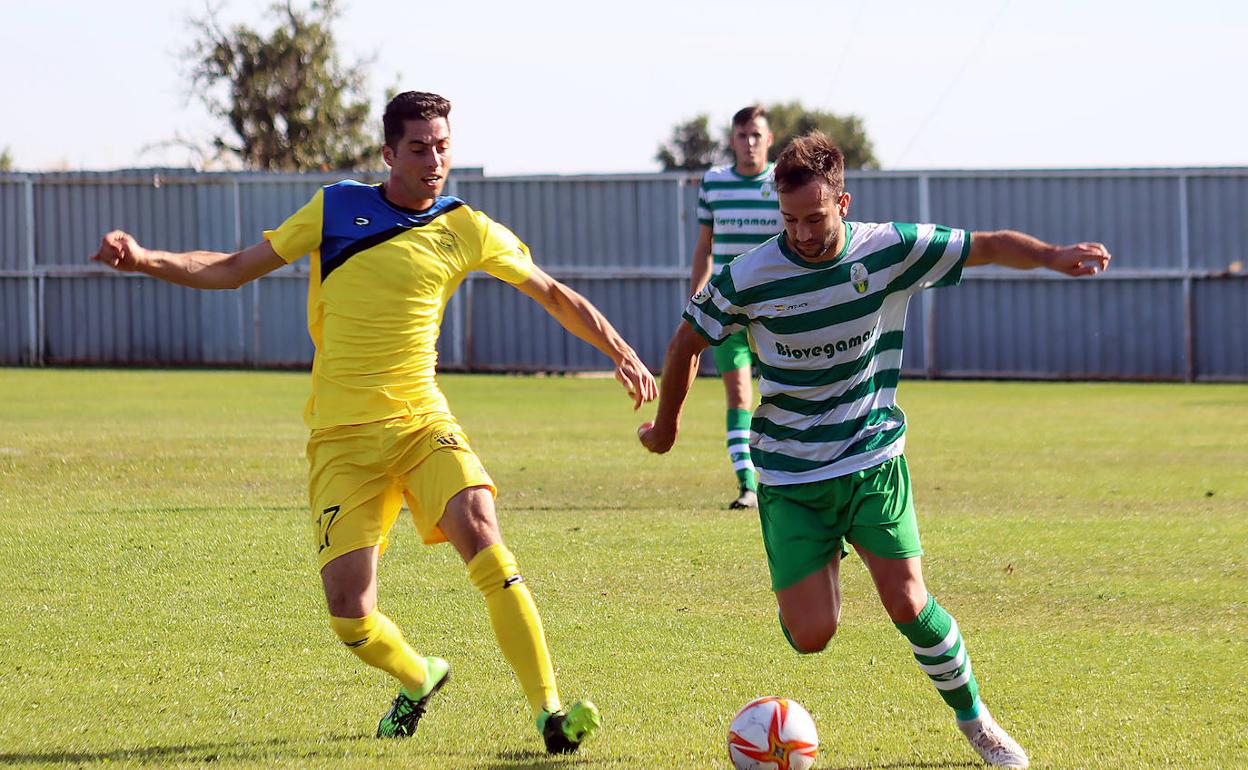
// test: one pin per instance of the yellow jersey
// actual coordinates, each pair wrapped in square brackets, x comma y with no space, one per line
[380,279]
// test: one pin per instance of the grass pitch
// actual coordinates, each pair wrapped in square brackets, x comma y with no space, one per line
[162,608]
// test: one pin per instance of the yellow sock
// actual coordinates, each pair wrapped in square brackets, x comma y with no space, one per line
[517,626]
[377,641]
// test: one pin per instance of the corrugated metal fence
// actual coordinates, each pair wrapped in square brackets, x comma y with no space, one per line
[1174,306]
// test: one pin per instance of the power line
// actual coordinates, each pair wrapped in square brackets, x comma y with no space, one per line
[957,76]
[854,26]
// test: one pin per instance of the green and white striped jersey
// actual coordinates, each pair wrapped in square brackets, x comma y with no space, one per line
[741,211]
[829,342]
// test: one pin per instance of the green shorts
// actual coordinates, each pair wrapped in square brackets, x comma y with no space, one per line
[805,525]
[734,353]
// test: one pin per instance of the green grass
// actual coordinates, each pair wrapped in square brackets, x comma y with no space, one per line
[162,607]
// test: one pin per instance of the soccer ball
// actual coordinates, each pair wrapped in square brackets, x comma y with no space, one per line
[772,733]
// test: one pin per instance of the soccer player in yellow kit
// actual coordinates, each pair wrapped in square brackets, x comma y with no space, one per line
[384,261]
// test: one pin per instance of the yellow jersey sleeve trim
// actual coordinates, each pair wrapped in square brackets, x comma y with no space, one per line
[301,232]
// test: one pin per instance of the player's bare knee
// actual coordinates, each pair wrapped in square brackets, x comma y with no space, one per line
[812,635]
[347,601]
[470,522]
[902,604]
[811,643]
[349,582]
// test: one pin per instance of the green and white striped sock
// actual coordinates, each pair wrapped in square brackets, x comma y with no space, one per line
[739,448]
[941,653]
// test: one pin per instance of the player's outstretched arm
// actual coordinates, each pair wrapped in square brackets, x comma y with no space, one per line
[577,315]
[1023,252]
[680,366]
[196,269]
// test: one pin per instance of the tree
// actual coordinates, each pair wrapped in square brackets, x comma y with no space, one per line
[691,147]
[290,103]
[6,160]
[791,120]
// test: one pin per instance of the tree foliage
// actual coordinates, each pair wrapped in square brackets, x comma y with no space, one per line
[791,120]
[691,147]
[289,101]
[6,160]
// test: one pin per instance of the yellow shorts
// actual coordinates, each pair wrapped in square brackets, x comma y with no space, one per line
[359,476]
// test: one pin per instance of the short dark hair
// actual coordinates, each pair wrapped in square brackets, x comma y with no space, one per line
[746,114]
[412,105]
[813,156]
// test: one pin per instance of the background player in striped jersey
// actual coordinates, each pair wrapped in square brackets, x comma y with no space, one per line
[384,261]
[737,210]
[826,304]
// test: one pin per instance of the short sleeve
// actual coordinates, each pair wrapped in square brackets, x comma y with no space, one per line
[935,257]
[705,217]
[711,314]
[501,254]
[300,234]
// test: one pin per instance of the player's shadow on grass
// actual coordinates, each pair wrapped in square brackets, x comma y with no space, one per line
[535,760]
[564,507]
[900,765]
[255,751]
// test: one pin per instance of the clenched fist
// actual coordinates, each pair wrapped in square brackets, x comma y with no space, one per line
[120,251]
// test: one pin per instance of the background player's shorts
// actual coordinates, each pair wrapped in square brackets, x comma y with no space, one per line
[359,476]
[733,353]
[805,525]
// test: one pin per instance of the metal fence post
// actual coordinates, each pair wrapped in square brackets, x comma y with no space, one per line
[929,297]
[1185,261]
[680,219]
[34,283]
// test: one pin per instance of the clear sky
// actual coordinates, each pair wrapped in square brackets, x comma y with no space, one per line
[568,87]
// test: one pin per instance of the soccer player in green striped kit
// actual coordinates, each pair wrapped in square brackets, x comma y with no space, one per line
[825,302]
[737,210]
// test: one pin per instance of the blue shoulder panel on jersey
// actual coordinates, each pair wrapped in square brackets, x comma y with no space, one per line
[357,217]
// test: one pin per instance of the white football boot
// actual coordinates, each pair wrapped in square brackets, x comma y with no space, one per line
[993,744]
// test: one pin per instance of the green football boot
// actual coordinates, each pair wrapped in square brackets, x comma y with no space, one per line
[405,713]
[566,729]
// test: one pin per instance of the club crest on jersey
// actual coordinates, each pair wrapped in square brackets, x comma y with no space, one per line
[363,221]
[766,189]
[858,274]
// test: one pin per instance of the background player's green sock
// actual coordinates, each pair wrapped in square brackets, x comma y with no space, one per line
[739,448]
[939,649]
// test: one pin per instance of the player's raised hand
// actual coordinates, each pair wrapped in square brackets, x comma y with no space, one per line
[636,379]
[1081,259]
[654,438]
[120,251]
